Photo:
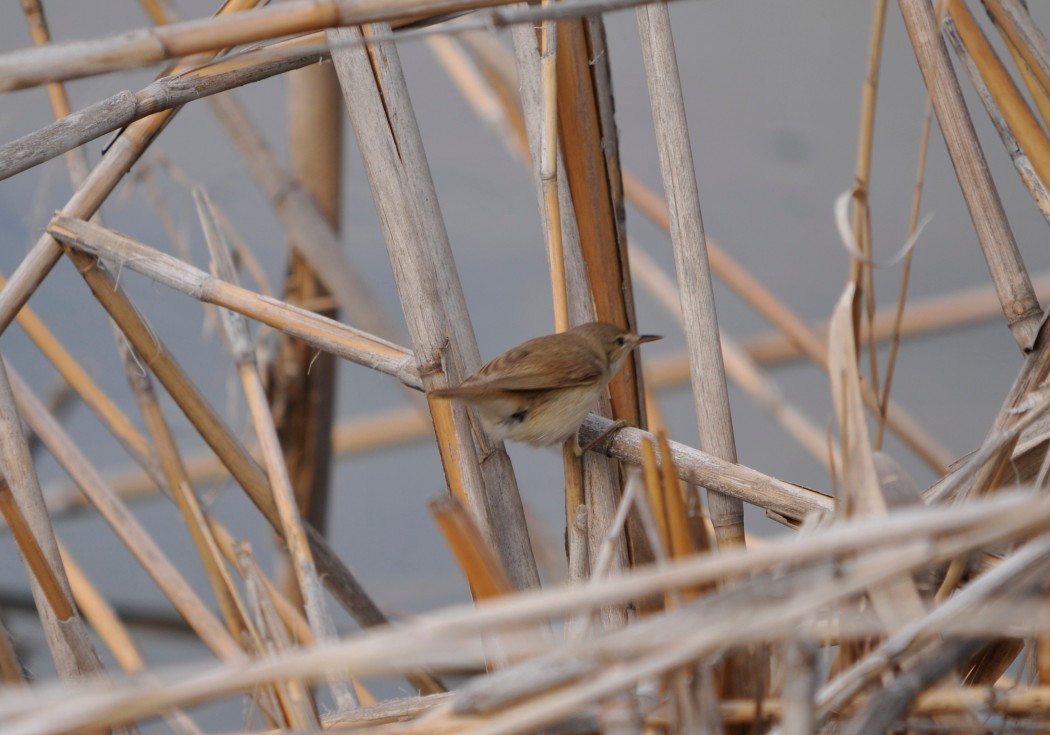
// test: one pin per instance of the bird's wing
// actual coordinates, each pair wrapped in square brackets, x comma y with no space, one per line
[528,368]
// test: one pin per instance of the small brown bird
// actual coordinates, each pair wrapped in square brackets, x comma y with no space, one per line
[541,391]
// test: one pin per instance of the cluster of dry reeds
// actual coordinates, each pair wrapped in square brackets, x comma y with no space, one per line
[889,607]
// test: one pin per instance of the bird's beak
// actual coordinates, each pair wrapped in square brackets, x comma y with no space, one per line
[649,337]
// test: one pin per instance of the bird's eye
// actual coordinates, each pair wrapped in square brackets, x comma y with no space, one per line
[621,341]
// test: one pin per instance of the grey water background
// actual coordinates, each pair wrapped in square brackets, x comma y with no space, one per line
[772,92]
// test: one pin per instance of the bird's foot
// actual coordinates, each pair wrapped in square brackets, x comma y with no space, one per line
[604,439]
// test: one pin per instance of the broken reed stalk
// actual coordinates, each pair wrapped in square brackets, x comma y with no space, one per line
[33,555]
[1011,280]
[240,345]
[289,702]
[480,567]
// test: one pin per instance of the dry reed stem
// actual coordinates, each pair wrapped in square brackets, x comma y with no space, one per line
[1020,160]
[739,366]
[240,345]
[89,196]
[1020,119]
[76,59]
[438,321]
[862,276]
[551,219]
[654,491]
[11,672]
[699,468]
[182,493]
[39,567]
[922,316]
[548,181]
[303,382]
[590,156]
[484,573]
[316,330]
[680,535]
[305,223]
[1012,284]
[297,626]
[1014,22]
[577,552]
[67,637]
[108,626]
[601,483]
[124,524]
[266,630]
[340,581]
[1022,564]
[778,313]
[371,433]
[710,394]
[918,537]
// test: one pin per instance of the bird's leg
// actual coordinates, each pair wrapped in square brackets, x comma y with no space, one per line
[604,438]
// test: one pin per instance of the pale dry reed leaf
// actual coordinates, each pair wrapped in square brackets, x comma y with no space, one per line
[899,601]
[849,241]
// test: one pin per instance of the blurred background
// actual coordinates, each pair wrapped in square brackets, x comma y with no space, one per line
[772,92]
